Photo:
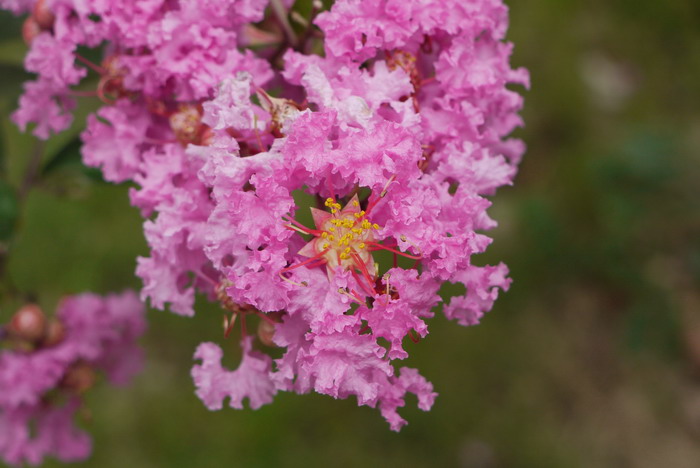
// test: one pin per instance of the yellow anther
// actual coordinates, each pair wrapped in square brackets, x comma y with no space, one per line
[329,201]
[332,229]
[326,245]
[356,203]
[362,213]
[334,211]
[357,215]
[362,245]
[324,234]
[331,238]
[375,226]
[347,250]
[343,256]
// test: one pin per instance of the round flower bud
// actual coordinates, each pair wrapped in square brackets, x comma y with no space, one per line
[30,30]
[42,15]
[266,331]
[54,334]
[28,323]
[79,378]
[186,124]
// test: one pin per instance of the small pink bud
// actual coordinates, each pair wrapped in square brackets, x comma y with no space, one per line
[187,124]
[28,323]
[42,15]
[54,333]
[79,378]
[30,30]
[266,331]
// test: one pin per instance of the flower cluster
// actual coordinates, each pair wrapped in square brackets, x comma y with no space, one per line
[238,140]
[49,364]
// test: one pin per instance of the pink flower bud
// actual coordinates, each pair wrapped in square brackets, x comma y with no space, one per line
[79,378]
[54,334]
[43,15]
[28,323]
[30,30]
[266,331]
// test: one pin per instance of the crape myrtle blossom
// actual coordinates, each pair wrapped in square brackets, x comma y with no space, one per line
[49,364]
[269,179]
[426,141]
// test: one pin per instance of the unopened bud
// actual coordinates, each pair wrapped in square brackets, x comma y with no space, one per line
[42,15]
[79,378]
[266,331]
[30,30]
[28,323]
[186,124]
[54,333]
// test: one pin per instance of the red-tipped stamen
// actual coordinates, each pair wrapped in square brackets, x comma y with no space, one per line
[357,295]
[367,290]
[317,257]
[264,316]
[303,284]
[376,246]
[363,269]
[201,275]
[94,67]
[229,324]
[101,91]
[382,194]
[352,295]
[294,228]
[306,230]
[244,329]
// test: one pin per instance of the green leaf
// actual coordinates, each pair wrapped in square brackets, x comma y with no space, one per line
[9,211]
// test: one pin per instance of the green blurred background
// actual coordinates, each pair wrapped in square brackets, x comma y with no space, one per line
[592,359]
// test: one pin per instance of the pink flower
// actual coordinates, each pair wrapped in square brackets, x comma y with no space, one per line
[90,333]
[251,380]
[269,181]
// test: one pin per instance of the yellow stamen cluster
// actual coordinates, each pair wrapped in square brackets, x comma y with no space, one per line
[351,229]
[343,238]
[333,205]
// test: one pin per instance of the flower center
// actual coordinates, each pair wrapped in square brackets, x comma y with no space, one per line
[344,236]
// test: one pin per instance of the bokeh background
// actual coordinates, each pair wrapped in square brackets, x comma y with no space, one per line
[592,359]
